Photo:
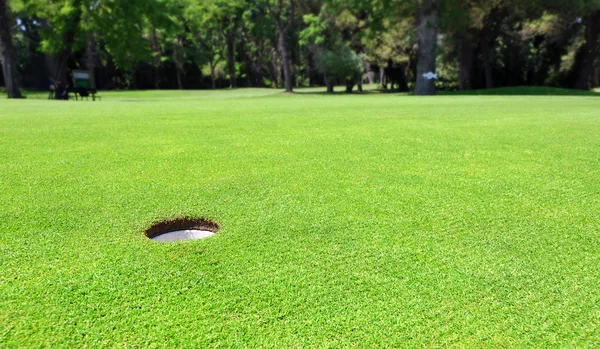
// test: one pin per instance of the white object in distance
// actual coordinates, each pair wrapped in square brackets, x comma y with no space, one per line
[430,76]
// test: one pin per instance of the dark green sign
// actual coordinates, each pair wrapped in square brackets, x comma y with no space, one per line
[82,78]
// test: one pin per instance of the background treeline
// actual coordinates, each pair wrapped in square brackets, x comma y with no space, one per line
[192,44]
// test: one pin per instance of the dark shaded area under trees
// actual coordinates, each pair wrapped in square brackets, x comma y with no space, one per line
[195,44]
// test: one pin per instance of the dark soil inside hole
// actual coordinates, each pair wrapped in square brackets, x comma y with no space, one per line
[184,223]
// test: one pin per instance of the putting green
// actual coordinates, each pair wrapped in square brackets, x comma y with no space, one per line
[371,220]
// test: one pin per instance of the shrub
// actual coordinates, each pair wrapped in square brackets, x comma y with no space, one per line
[341,63]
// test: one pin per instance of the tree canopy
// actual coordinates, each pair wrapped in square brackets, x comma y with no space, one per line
[420,45]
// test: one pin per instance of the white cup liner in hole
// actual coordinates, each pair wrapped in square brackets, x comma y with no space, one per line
[181,235]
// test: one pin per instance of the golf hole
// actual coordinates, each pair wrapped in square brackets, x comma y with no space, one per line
[181,229]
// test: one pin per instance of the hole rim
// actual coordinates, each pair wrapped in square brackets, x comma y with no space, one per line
[166,226]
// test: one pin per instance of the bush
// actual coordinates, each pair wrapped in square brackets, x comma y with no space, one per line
[341,63]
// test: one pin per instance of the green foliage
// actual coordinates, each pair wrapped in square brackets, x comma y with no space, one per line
[515,42]
[59,19]
[219,70]
[315,31]
[394,42]
[125,19]
[340,63]
[65,24]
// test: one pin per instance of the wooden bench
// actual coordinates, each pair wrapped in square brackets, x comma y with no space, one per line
[86,93]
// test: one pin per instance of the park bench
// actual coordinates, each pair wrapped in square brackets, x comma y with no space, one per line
[82,88]
[86,93]
[83,93]
[94,94]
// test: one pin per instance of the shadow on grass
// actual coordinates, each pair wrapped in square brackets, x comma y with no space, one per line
[503,91]
[523,91]
[368,90]
[341,91]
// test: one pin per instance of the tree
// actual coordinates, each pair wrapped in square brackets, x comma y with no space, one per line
[7,53]
[65,26]
[61,31]
[215,26]
[586,12]
[230,40]
[333,57]
[426,60]
[320,38]
[212,50]
[260,38]
[382,31]
[283,12]
[227,15]
[169,43]
[457,22]
[391,48]
[589,50]
[207,34]
[340,63]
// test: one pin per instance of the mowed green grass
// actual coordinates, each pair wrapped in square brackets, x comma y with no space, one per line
[347,221]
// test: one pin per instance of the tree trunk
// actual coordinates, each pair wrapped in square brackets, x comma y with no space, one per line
[178,55]
[411,67]
[212,75]
[245,57]
[155,46]
[592,32]
[427,31]
[349,86]
[231,58]
[62,66]
[7,51]
[257,67]
[370,73]
[382,83]
[513,68]
[90,59]
[466,65]
[487,65]
[61,72]
[287,72]
[274,69]
[402,80]
[329,84]
[313,76]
